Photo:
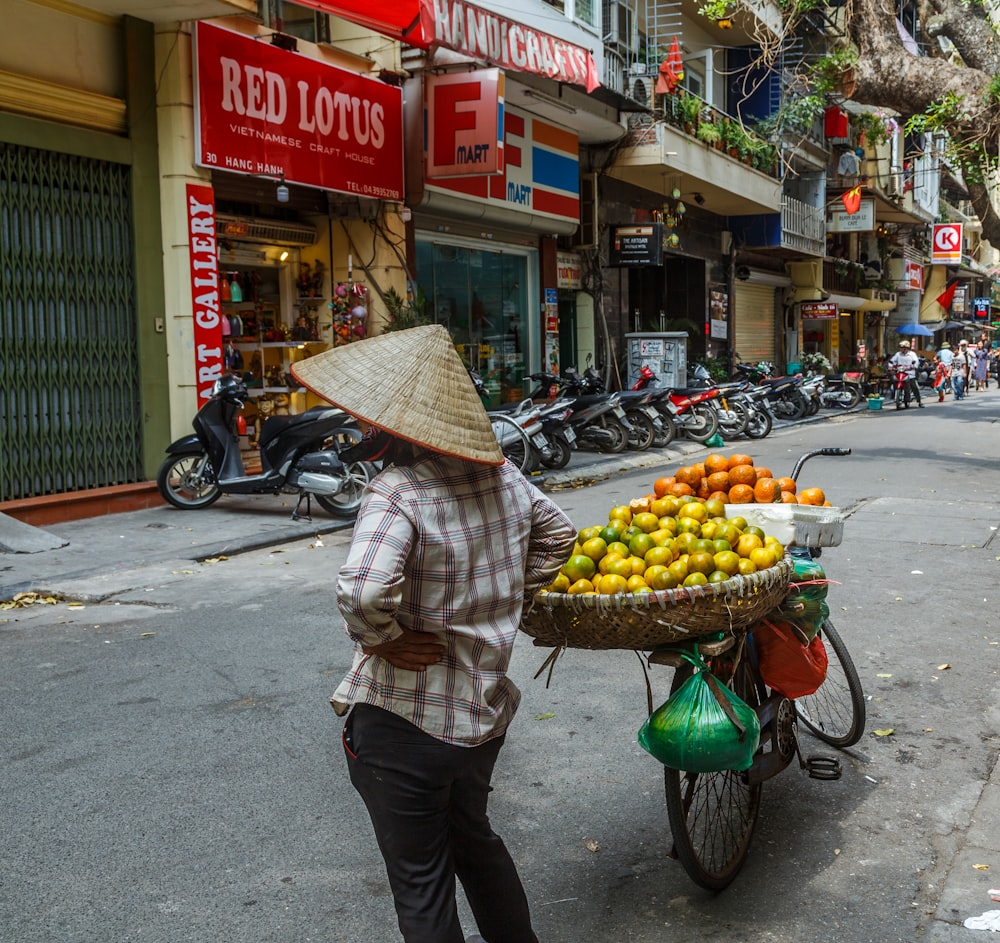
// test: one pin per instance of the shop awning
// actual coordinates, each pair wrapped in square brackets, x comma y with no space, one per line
[472,31]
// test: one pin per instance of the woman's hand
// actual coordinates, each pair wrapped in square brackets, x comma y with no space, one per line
[412,651]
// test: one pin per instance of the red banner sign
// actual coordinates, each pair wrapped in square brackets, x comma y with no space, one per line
[204,289]
[266,112]
[819,310]
[483,34]
[465,123]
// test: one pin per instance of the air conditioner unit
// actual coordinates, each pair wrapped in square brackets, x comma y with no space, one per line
[269,231]
[641,89]
[894,185]
[637,68]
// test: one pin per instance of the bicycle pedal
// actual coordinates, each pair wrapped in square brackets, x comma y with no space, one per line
[823,767]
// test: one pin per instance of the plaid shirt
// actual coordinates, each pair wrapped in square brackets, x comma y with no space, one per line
[451,548]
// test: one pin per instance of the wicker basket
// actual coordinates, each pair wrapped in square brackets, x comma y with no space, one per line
[646,620]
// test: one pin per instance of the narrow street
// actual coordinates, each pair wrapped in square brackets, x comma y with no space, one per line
[173,773]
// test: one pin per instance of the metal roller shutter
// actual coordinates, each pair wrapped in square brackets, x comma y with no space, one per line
[754,330]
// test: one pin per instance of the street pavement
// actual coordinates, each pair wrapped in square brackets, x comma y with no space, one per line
[96,558]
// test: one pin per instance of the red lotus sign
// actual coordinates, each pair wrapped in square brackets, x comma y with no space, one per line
[263,111]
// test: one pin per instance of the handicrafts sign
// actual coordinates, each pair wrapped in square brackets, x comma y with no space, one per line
[262,111]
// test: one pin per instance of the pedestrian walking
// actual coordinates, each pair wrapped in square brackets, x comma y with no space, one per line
[940,378]
[960,370]
[980,365]
[946,354]
[449,542]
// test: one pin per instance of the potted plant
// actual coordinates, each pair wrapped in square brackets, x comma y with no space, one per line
[689,109]
[732,136]
[814,363]
[710,134]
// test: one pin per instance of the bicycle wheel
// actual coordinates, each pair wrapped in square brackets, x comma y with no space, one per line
[712,815]
[514,442]
[836,712]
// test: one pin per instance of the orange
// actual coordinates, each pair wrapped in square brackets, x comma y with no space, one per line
[695,579]
[766,491]
[636,584]
[742,475]
[646,521]
[679,488]
[762,472]
[659,556]
[788,484]
[763,557]
[718,497]
[741,494]
[747,567]
[746,544]
[738,459]
[641,544]
[620,513]
[688,476]
[661,485]
[661,507]
[728,561]
[716,463]
[579,567]
[560,584]
[695,510]
[813,496]
[718,481]
[662,579]
[612,585]
[595,548]
[587,533]
[788,497]
[623,567]
[701,561]
[703,491]
[699,468]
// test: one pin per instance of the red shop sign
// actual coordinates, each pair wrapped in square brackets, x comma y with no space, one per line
[204,289]
[263,111]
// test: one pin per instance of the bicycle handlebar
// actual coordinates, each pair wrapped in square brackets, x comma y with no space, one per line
[830,452]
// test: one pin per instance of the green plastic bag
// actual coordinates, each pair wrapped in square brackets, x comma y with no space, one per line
[703,727]
[805,607]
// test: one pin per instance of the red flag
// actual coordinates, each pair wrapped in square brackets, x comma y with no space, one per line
[852,200]
[671,70]
[947,296]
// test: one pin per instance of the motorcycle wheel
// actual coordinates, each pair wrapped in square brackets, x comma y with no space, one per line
[187,481]
[760,424]
[667,433]
[346,502]
[618,432]
[701,422]
[642,433]
[560,453]
[798,404]
[855,397]
[732,428]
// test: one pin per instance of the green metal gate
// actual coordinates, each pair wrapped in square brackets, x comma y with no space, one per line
[70,405]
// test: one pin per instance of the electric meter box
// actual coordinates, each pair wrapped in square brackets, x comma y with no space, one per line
[665,353]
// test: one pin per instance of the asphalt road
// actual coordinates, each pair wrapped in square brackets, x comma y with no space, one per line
[172,771]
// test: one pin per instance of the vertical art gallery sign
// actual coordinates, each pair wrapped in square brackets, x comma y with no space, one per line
[206,314]
[263,111]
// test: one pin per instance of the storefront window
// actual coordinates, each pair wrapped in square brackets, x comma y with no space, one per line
[481,297]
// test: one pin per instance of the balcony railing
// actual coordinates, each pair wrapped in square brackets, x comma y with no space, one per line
[803,227]
[842,276]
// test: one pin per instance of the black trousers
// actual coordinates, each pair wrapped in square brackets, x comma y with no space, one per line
[427,801]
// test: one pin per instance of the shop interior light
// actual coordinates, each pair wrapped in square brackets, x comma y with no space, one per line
[284,256]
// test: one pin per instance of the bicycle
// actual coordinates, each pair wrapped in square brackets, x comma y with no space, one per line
[712,815]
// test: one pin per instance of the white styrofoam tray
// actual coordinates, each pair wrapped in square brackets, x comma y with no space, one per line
[802,524]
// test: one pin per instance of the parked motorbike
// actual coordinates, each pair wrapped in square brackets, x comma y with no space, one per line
[597,419]
[299,454]
[841,391]
[647,424]
[784,398]
[688,407]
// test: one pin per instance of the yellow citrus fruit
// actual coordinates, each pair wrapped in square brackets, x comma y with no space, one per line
[662,537]
[683,542]
[657,556]
[701,562]
[611,557]
[638,565]
[688,525]
[695,579]
[620,513]
[611,533]
[636,583]
[587,533]
[715,507]
[719,545]
[729,534]
[596,580]
[579,567]
[756,531]
[612,584]
[668,523]
[738,522]
[763,558]
[728,561]
[746,543]
[679,569]
[641,544]
[661,507]
[581,586]
[662,579]
[703,544]
[747,567]
[646,521]
[696,510]
[595,548]
[560,584]
[709,529]
[718,576]
[620,567]
[619,547]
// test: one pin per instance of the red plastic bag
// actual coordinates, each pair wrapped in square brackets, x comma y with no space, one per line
[786,665]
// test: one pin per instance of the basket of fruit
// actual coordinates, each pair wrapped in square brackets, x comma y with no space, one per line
[642,621]
[675,564]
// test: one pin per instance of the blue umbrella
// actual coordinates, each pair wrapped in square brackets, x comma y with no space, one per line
[914,330]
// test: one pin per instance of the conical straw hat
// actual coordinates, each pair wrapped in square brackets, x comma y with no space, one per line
[413,385]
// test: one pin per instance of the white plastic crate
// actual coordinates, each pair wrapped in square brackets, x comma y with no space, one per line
[802,524]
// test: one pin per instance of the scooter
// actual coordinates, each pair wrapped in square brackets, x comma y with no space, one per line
[299,454]
[597,419]
[900,389]
[690,408]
